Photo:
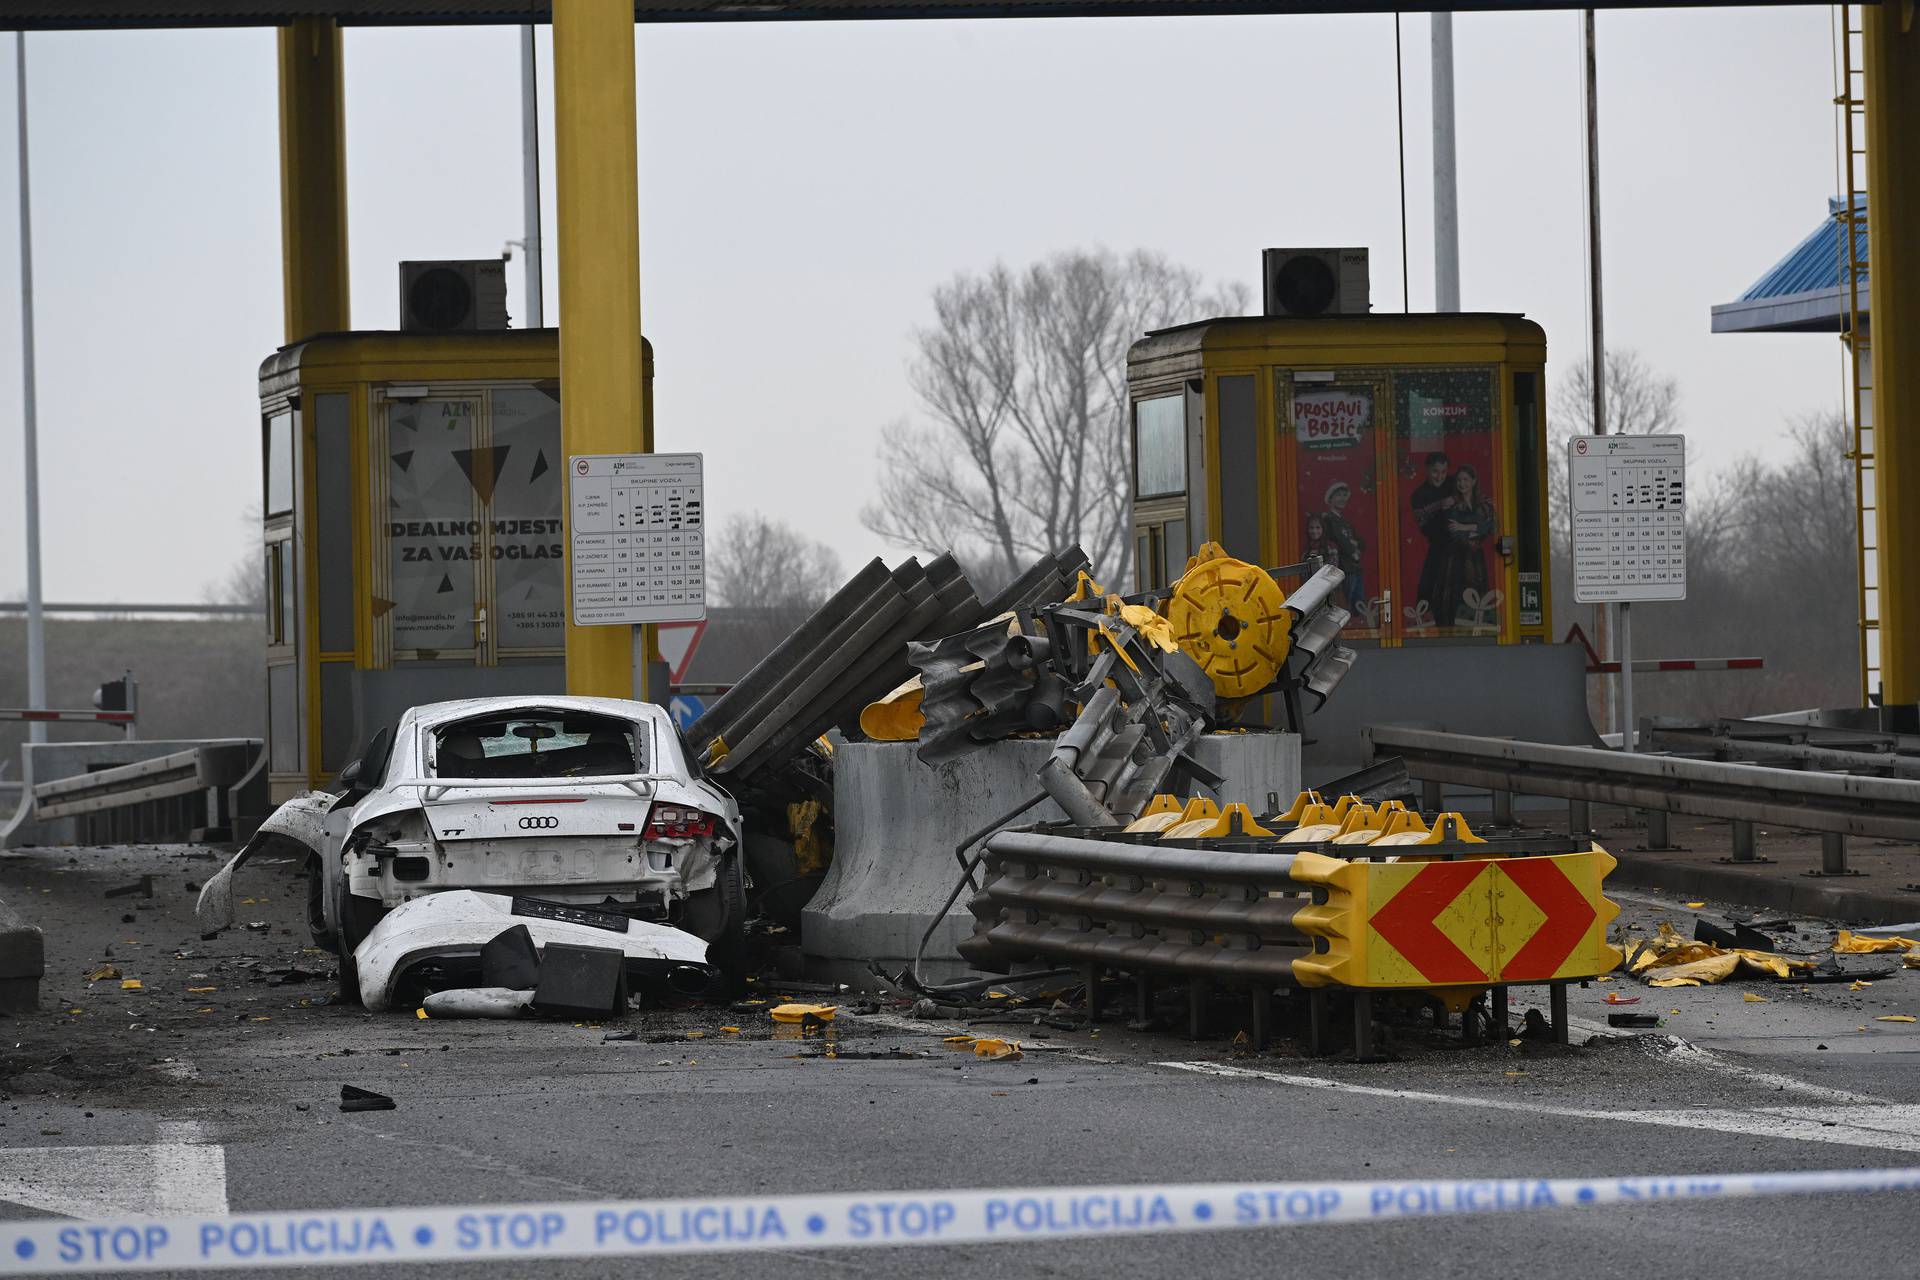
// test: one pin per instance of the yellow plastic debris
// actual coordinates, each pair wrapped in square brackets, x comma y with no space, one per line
[420,1014]
[200,991]
[994,1047]
[1853,944]
[1717,967]
[130,984]
[1858,985]
[957,1040]
[696,1035]
[1896,1017]
[802,1012]
[103,973]
[732,1031]
[896,717]
[1912,959]
[1696,905]
[1751,998]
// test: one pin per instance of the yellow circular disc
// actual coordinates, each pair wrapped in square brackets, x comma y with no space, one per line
[1227,615]
[1155,821]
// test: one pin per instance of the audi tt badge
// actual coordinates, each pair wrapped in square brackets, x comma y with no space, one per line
[539,823]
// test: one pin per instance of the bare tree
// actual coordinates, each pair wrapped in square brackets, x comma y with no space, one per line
[757,563]
[1024,377]
[1641,401]
[245,582]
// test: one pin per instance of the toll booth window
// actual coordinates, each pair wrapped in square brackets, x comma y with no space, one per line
[279,460]
[1448,475]
[280,592]
[1337,483]
[1160,446]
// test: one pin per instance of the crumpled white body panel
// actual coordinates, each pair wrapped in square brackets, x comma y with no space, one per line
[456,921]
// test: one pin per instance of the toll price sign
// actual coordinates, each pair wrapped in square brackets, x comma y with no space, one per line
[1629,511]
[637,538]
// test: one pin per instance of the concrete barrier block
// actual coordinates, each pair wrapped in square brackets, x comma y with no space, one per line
[896,822]
[23,961]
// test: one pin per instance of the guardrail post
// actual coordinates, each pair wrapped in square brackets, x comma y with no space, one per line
[1431,798]
[1262,1001]
[1503,808]
[1093,993]
[1142,998]
[1362,1025]
[1659,831]
[1557,1008]
[1199,992]
[1319,1030]
[1497,1014]
[1579,818]
[1743,847]
[1833,855]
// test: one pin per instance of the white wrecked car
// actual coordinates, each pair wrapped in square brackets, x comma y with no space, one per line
[571,808]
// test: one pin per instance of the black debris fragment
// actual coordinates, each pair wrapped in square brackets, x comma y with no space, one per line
[510,960]
[581,982]
[143,888]
[356,1099]
[1633,1020]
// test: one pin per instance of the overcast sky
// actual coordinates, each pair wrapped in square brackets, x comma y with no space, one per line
[802,188]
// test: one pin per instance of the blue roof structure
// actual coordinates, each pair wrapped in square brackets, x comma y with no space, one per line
[1806,291]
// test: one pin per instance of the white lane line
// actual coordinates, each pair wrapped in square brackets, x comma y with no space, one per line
[180,1175]
[1886,1126]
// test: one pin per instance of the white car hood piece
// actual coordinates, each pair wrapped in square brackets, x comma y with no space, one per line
[463,920]
[298,826]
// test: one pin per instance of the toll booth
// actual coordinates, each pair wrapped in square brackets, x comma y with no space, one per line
[411,493]
[1410,450]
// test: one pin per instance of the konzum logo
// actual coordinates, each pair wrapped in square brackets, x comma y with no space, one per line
[539,824]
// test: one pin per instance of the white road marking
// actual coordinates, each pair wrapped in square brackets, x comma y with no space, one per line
[1887,1126]
[179,1175]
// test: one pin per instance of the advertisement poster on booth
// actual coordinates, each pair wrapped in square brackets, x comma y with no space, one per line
[1337,499]
[1447,477]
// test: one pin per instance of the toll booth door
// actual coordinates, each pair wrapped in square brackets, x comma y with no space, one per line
[469,562]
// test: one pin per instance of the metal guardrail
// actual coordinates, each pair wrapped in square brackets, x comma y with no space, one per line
[1833,803]
[1827,749]
[178,774]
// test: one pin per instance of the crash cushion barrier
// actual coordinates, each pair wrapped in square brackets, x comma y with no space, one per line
[49,761]
[897,820]
[1472,922]
[23,961]
[626,1228]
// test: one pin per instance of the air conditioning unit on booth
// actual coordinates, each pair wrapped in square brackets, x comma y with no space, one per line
[453,297]
[1314,282]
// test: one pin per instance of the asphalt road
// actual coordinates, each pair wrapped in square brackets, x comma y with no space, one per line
[215,1085]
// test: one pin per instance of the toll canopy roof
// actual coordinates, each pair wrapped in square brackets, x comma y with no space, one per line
[73,14]
[1806,291]
[1378,336]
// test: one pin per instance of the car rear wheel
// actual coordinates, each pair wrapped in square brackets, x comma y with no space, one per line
[719,915]
[357,918]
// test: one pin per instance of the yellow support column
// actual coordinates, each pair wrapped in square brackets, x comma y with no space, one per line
[1892,66]
[313,179]
[596,173]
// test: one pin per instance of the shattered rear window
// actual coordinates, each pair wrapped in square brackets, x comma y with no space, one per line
[537,745]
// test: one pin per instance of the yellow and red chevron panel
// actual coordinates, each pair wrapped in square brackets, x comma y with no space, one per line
[1470,922]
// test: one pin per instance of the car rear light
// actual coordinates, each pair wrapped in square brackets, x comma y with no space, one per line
[672,820]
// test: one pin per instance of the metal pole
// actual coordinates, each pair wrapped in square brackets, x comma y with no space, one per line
[1446,201]
[1626,675]
[530,177]
[1596,320]
[29,423]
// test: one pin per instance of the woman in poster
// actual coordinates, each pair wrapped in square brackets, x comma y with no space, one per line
[1319,544]
[1346,540]
[1470,522]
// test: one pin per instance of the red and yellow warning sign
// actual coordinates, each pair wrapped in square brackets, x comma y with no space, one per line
[1471,922]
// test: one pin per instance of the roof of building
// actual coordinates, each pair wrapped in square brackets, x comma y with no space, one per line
[72,14]
[1806,291]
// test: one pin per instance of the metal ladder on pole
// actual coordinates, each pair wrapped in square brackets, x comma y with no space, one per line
[1852,215]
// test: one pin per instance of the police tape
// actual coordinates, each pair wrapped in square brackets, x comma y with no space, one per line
[623,1228]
